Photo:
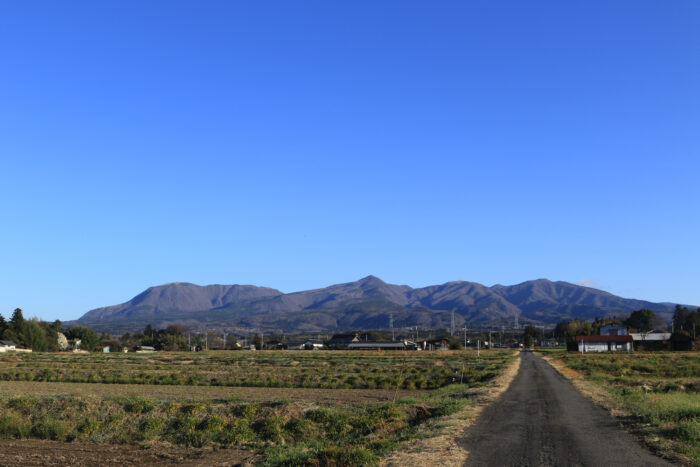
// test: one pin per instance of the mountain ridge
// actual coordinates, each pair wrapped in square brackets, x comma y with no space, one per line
[365,303]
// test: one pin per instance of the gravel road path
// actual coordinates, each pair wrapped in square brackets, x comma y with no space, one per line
[542,420]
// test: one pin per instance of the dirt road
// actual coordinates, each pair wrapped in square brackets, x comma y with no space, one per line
[542,420]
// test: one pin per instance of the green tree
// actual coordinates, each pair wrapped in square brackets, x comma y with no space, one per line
[88,337]
[643,320]
[17,321]
[33,336]
[530,336]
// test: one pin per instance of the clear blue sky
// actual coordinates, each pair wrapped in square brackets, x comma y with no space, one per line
[300,144]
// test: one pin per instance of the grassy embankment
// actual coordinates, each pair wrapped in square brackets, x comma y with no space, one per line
[284,432]
[655,395]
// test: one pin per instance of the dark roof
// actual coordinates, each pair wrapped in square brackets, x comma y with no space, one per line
[8,343]
[376,345]
[604,338]
[343,338]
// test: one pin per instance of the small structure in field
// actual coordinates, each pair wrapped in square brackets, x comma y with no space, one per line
[604,343]
[7,346]
[551,342]
[146,349]
[102,348]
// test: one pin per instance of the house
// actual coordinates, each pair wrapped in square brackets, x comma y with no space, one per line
[341,341]
[275,345]
[146,349]
[313,345]
[613,330]
[102,348]
[73,345]
[7,346]
[604,343]
[551,342]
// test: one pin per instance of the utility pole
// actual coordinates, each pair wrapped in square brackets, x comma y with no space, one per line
[465,336]
[224,341]
[490,347]
[452,324]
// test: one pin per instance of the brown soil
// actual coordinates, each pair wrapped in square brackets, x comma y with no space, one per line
[343,396]
[39,452]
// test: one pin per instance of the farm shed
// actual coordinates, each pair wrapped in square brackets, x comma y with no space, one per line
[146,349]
[7,346]
[604,343]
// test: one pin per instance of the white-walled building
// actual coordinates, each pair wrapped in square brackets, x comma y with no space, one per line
[604,343]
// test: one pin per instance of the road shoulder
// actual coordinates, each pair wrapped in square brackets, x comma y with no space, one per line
[625,418]
[445,449]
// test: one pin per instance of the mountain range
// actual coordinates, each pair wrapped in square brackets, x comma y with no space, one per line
[368,303]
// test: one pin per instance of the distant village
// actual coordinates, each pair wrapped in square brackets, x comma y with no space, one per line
[640,331]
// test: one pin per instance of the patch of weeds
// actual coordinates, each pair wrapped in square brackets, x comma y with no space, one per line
[194,409]
[236,432]
[337,455]
[248,410]
[90,425]
[301,429]
[213,424]
[139,405]
[48,428]
[14,427]
[150,428]
[688,431]
[270,429]
[23,404]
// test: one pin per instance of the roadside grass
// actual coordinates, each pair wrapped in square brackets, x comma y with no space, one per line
[658,394]
[285,432]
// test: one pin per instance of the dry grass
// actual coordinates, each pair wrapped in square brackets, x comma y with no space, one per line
[343,396]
